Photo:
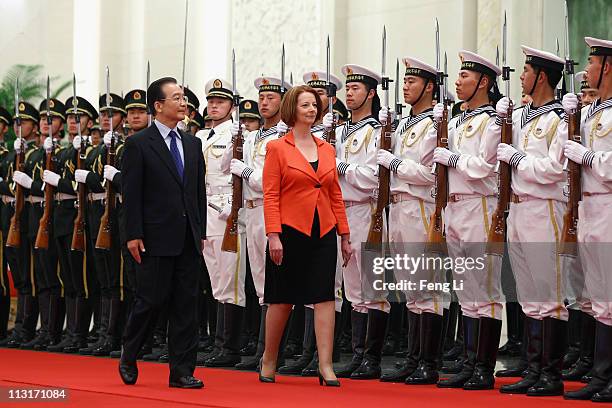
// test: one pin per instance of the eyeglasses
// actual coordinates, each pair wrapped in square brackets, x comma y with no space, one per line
[176,99]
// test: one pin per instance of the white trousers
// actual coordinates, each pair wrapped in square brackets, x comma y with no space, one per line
[256,243]
[227,270]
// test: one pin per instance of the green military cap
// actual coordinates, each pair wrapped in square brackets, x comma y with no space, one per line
[192,99]
[249,109]
[136,98]
[198,120]
[116,103]
[27,111]
[341,110]
[83,106]
[56,107]
[205,114]
[5,116]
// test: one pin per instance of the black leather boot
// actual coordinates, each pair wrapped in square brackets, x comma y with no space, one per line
[104,310]
[430,341]
[359,322]
[308,346]
[602,369]
[82,317]
[56,320]
[489,332]
[470,339]
[514,315]
[534,357]
[337,336]
[411,361]
[554,345]
[251,363]
[230,350]
[41,340]
[113,337]
[519,369]
[574,324]
[312,369]
[218,343]
[587,349]
[369,369]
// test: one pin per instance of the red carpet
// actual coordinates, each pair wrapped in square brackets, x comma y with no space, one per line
[94,382]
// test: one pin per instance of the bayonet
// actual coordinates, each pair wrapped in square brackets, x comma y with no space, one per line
[185,43]
[398,104]
[283,70]
[108,103]
[330,92]
[149,113]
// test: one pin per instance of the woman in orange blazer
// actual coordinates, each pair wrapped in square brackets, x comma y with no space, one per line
[304,212]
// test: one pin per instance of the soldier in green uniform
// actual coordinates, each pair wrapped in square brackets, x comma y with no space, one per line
[6,121]
[197,123]
[108,265]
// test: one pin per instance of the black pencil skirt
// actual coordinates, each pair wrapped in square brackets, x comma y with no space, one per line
[307,273]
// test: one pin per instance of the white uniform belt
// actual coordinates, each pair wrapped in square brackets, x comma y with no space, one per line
[64,196]
[96,196]
[460,197]
[348,204]
[35,199]
[212,190]
[522,198]
[257,202]
[6,199]
[590,194]
[398,197]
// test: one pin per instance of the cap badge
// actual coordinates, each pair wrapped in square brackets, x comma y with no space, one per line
[247,105]
[137,95]
[217,83]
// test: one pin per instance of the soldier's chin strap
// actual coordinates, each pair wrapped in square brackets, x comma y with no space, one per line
[535,82]
[603,64]
[475,89]
[421,94]
[364,101]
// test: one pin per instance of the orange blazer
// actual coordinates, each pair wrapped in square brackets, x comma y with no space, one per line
[292,189]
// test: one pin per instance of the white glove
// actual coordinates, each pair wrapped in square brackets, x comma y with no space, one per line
[384,158]
[237,167]
[438,111]
[17,145]
[48,144]
[110,172]
[107,138]
[81,176]
[227,210]
[51,178]
[574,151]
[22,179]
[281,128]
[328,120]
[505,152]
[76,142]
[235,127]
[502,107]
[383,113]
[445,157]
[570,103]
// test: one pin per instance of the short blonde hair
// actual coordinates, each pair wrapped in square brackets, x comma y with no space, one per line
[289,104]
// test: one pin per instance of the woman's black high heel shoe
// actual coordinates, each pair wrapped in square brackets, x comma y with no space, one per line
[261,377]
[328,383]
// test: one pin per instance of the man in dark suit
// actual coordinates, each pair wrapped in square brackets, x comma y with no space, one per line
[165,206]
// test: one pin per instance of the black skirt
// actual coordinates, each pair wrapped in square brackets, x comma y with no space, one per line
[307,273]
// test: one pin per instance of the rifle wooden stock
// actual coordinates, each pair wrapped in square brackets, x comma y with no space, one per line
[375,234]
[230,237]
[496,237]
[78,230]
[13,239]
[569,235]
[103,240]
[44,225]
[330,136]
[436,241]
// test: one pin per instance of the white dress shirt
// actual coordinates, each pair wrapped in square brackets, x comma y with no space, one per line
[165,132]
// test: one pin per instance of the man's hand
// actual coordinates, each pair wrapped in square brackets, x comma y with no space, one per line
[136,246]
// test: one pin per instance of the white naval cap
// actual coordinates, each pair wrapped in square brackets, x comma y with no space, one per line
[599,46]
[419,68]
[357,73]
[219,88]
[270,84]
[474,62]
[580,78]
[542,59]
[318,79]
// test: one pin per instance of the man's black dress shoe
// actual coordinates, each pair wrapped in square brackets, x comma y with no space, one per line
[128,373]
[186,381]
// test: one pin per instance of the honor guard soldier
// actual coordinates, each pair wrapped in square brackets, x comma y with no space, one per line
[411,206]
[249,115]
[6,122]
[49,287]
[318,81]
[471,159]
[356,164]
[193,103]
[207,119]
[340,110]
[108,264]
[251,170]
[587,94]
[196,123]
[535,220]
[225,269]
[20,257]
[80,286]
[594,230]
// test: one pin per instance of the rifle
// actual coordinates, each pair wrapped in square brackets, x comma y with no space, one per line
[436,242]
[330,135]
[78,230]
[496,236]
[375,234]
[569,234]
[399,106]
[44,225]
[230,237]
[103,241]
[14,235]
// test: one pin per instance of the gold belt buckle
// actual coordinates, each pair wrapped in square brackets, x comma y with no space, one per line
[250,204]
[395,198]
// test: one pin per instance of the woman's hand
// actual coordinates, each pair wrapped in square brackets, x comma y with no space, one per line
[275,247]
[347,251]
